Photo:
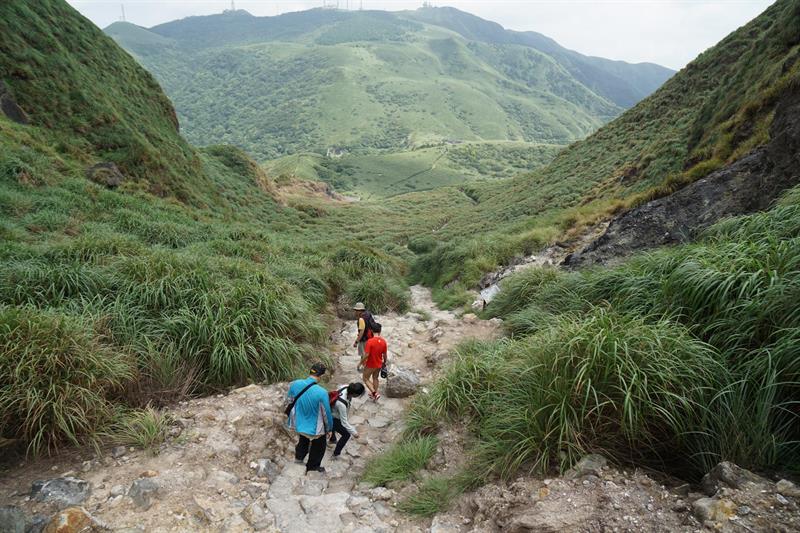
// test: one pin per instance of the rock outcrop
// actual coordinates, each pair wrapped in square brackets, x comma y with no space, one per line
[748,185]
[106,174]
[9,106]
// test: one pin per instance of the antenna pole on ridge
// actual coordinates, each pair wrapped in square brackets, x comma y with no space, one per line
[123,12]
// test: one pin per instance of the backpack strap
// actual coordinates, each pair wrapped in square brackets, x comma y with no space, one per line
[294,401]
[340,399]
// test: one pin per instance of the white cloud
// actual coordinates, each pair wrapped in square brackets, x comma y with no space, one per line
[668,32]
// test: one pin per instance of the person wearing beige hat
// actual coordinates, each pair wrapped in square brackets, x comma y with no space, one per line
[364,331]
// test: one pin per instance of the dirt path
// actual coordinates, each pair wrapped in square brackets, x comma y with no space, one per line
[228,464]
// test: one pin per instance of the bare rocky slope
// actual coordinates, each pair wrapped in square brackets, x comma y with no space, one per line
[750,184]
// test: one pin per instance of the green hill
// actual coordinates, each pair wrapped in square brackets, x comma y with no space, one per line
[711,113]
[165,272]
[369,81]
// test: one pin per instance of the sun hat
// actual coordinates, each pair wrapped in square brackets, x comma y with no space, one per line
[359,307]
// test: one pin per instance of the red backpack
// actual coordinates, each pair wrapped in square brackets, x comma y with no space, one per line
[335,395]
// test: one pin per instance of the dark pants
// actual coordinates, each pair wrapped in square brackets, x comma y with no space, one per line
[317,451]
[345,436]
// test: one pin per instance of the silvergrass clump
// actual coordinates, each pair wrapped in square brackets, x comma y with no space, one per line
[144,428]
[436,493]
[402,461]
[379,293]
[56,377]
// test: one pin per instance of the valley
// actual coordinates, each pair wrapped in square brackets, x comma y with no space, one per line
[156,297]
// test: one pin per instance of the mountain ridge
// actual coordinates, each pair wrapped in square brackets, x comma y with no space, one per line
[373,81]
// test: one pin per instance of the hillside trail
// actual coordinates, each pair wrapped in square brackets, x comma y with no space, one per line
[228,463]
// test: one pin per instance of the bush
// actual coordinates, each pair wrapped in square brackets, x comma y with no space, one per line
[56,376]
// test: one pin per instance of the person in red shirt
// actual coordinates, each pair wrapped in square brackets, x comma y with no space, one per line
[372,361]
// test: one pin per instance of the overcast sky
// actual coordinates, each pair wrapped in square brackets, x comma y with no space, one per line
[668,32]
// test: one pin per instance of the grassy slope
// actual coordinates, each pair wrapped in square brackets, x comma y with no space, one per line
[336,90]
[364,80]
[132,125]
[683,131]
[379,175]
[113,298]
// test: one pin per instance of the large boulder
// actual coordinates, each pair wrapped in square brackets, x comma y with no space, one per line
[401,383]
[63,491]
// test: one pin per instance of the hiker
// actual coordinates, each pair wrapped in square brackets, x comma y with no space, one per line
[309,412]
[374,361]
[340,405]
[366,324]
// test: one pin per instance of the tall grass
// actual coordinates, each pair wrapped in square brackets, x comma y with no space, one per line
[677,360]
[55,374]
[401,462]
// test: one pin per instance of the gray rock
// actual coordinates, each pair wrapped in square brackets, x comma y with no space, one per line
[63,491]
[267,469]
[436,334]
[381,494]
[142,492]
[106,174]
[12,519]
[118,451]
[787,488]
[713,509]
[591,464]
[36,524]
[444,524]
[401,383]
[258,518]
[221,479]
[727,474]
[117,490]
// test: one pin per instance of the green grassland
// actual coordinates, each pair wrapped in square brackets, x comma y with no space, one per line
[372,176]
[363,82]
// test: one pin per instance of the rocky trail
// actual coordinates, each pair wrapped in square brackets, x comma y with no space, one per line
[227,466]
[228,463]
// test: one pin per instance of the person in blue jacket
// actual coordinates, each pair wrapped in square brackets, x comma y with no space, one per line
[310,417]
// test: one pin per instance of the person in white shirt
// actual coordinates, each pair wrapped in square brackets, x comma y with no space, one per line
[340,407]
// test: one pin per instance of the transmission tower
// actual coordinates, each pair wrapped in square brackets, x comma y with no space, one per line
[123,12]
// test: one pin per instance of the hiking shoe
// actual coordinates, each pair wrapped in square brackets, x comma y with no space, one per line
[335,457]
[321,470]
